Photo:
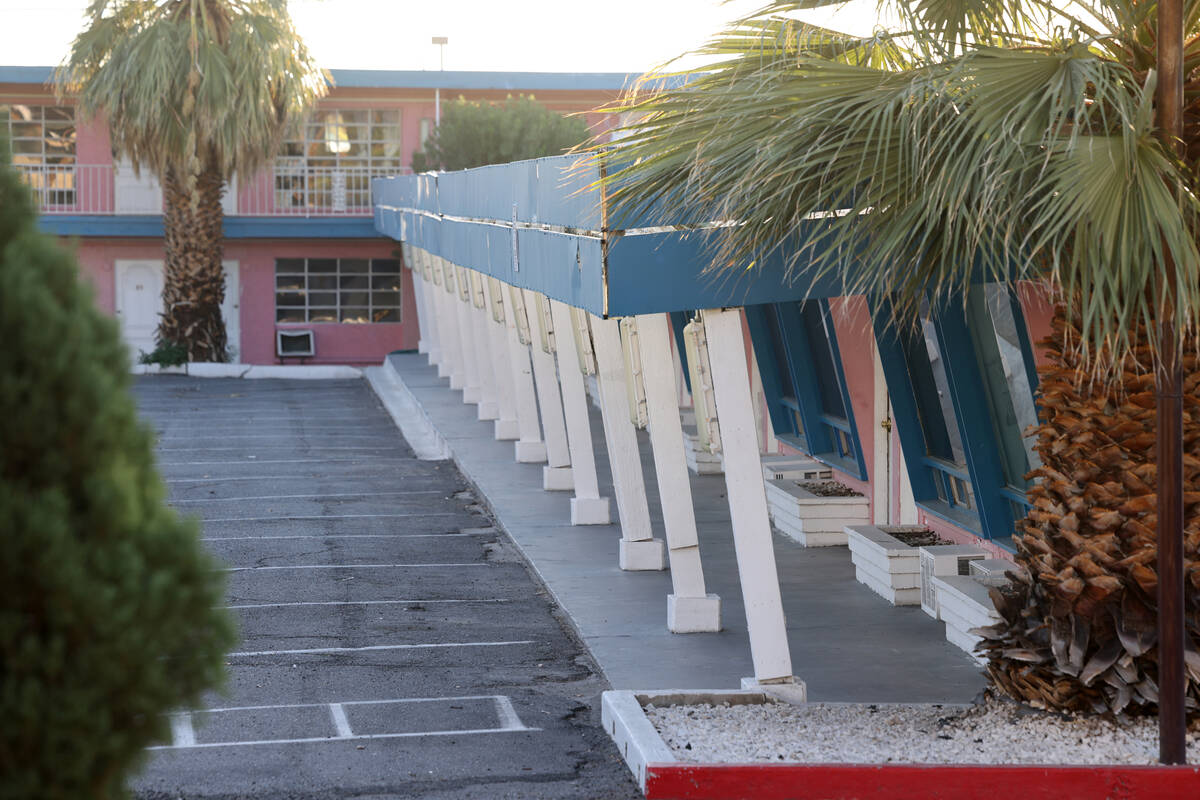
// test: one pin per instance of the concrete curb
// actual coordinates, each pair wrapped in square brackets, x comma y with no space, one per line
[252,371]
[408,414]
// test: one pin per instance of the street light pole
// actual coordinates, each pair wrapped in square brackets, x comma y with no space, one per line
[1172,680]
[441,42]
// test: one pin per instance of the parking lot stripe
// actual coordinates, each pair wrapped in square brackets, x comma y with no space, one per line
[355,566]
[182,732]
[509,720]
[323,536]
[323,650]
[310,496]
[340,723]
[366,603]
[332,516]
[356,737]
[294,447]
[249,460]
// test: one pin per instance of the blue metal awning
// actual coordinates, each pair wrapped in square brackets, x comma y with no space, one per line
[542,225]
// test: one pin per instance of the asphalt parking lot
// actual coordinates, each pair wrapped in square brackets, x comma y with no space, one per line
[393,643]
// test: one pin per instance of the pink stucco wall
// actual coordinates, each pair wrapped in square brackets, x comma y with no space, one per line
[336,343]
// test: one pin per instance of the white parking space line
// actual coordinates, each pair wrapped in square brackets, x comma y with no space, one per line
[374,647]
[288,437]
[182,732]
[340,723]
[358,737]
[367,603]
[386,702]
[250,478]
[355,566]
[309,496]
[509,720]
[215,449]
[332,516]
[251,460]
[345,536]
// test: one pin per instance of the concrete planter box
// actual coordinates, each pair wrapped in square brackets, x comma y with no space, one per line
[964,604]
[886,565]
[813,520]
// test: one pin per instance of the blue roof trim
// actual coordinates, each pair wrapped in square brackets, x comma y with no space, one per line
[423,79]
[235,227]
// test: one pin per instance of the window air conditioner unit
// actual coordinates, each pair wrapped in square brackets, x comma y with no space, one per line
[796,468]
[942,560]
[704,401]
[635,386]
[295,343]
[583,341]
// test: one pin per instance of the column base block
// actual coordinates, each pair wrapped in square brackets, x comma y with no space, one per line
[790,689]
[693,614]
[530,452]
[456,381]
[590,511]
[507,430]
[488,410]
[443,369]
[558,479]
[422,347]
[645,554]
[471,394]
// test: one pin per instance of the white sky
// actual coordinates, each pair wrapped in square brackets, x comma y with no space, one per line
[517,35]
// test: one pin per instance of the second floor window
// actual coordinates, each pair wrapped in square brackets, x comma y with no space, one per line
[42,140]
[328,162]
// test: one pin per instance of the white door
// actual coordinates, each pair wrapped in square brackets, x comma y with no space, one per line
[139,304]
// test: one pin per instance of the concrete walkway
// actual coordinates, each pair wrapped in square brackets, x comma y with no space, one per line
[847,643]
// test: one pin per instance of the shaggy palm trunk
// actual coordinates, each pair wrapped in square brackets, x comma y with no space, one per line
[1079,632]
[194,280]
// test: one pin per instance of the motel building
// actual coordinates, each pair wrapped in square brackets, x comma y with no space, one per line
[301,252]
[632,421]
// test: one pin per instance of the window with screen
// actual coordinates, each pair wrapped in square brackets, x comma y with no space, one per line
[328,162]
[42,139]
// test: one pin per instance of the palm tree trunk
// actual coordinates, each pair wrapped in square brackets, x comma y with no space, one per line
[194,280]
[1079,627]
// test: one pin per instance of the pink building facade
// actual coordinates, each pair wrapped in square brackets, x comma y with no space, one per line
[301,250]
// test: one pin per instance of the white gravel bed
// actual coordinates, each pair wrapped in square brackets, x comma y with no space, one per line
[997,732]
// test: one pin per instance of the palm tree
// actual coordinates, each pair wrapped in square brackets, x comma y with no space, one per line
[985,141]
[196,91]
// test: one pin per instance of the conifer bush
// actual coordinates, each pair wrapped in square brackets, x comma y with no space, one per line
[109,608]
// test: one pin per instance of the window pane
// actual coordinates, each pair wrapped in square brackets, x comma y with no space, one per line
[293,282]
[998,345]
[322,315]
[322,299]
[355,282]
[379,299]
[355,315]
[289,315]
[389,266]
[322,282]
[355,298]
[289,265]
[390,283]
[815,322]
[354,265]
[386,315]
[934,404]
[322,265]
[289,298]
[779,350]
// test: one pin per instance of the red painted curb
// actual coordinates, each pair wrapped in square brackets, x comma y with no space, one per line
[918,781]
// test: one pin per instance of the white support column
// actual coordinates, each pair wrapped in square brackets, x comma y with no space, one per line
[556,476]
[418,284]
[462,319]
[587,506]
[447,340]
[455,356]
[639,550]
[747,499]
[432,326]
[689,608]
[489,407]
[506,425]
[529,448]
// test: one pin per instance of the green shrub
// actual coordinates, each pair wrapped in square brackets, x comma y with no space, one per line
[109,607]
[165,354]
[473,134]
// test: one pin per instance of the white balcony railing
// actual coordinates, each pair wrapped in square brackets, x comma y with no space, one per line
[283,191]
